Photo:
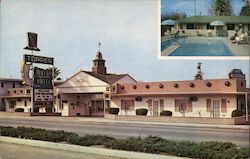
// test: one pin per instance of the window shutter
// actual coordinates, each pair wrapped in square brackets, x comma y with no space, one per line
[223,105]
[150,104]
[208,105]
[189,108]
[176,102]
[161,104]
[132,105]
[122,104]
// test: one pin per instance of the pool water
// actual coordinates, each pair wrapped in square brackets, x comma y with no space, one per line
[197,46]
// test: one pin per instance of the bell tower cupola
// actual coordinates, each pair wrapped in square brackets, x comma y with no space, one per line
[99,63]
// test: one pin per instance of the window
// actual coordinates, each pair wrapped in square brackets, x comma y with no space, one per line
[150,108]
[12,104]
[209,105]
[199,26]
[2,84]
[183,105]
[223,105]
[230,27]
[77,103]
[128,104]
[161,104]
[28,91]
[25,103]
[190,26]
[210,26]
[13,85]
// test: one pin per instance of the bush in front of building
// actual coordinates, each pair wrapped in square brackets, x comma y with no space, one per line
[237,113]
[89,140]
[150,144]
[37,134]
[113,111]
[49,109]
[19,110]
[166,113]
[141,111]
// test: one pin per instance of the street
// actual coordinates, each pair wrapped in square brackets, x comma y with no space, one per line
[129,129]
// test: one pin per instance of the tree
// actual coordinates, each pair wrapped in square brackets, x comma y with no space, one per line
[173,16]
[56,71]
[221,8]
[245,10]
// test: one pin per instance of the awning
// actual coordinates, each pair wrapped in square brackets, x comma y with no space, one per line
[217,23]
[168,22]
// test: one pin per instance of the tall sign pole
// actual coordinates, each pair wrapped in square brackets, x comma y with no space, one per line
[42,94]
[32,45]
[246,102]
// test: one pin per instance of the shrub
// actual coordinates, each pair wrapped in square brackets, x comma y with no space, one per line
[37,134]
[49,109]
[113,110]
[166,113]
[237,113]
[141,111]
[150,144]
[19,110]
[36,109]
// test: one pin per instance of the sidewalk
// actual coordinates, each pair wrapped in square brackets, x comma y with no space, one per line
[105,120]
[87,150]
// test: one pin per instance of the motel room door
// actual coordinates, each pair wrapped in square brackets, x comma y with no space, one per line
[97,108]
[155,108]
[216,108]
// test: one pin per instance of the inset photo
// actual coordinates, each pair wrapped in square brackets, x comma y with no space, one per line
[211,28]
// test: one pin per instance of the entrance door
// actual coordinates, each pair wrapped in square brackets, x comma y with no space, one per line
[216,108]
[97,107]
[155,108]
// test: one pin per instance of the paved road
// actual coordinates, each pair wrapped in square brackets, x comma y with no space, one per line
[15,151]
[124,130]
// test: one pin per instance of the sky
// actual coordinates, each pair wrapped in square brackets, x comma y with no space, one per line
[69,31]
[202,6]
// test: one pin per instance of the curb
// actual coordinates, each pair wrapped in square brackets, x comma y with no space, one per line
[85,149]
[75,119]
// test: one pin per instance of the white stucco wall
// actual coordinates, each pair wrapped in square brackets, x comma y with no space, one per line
[83,83]
[19,104]
[169,104]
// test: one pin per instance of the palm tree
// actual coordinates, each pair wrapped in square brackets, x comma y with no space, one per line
[56,70]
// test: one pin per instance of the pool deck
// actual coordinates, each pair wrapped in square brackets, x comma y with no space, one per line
[235,48]
[238,49]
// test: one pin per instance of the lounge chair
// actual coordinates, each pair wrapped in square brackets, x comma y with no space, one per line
[198,33]
[176,34]
[167,34]
[242,39]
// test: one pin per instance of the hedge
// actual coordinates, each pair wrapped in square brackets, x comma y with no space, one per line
[237,113]
[150,144]
[141,111]
[113,110]
[166,113]
[37,134]
[19,110]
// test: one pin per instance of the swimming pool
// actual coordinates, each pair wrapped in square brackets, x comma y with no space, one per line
[197,46]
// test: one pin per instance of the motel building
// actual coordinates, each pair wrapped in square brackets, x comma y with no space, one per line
[13,95]
[191,98]
[88,93]
[190,25]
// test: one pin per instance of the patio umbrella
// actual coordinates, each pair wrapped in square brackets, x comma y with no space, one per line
[217,23]
[168,22]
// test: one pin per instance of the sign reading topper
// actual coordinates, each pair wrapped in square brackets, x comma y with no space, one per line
[39,59]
